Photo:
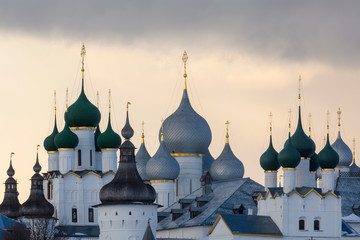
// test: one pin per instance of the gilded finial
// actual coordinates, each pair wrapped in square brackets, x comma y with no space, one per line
[67,98]
[127,106]
[339,117]
[310,124]
[11,154]
[324,141]
[185,58]
[97,99]
[142,132]
[270,120]
[227,132]
[82,53]
[55,102]
[327,121]
[37,148]
[354,145]
[109,100]
[290,120]
[299,89]
[162,129]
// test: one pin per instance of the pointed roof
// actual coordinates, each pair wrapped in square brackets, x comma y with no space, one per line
[148,235]
[49,142]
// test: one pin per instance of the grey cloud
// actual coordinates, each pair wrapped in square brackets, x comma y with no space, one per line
[298,31]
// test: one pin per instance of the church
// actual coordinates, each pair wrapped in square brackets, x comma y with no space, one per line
[182,192]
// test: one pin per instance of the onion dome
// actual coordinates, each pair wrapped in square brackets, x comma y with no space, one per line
[66,138]
[269,159]
[345,154]
[354,169]
[227,166]
[127,185]
[142,157]
[49,142]
[185,131]
[328,157]
[36,206]
[97,134]
[303,143]
[207,161]
[127,132]
[314,164]
[162,166]
[289,157]
[10,205]
[109,138]
[83,113]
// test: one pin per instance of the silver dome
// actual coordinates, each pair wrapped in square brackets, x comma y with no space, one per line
[185,131]
[227,166]
[162,166]
[345,154]
[142,157]
[354,168]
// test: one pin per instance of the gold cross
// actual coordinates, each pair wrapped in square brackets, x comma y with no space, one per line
[127,106]
[270,119]
[185,58]
[37,148]
[339,116]
[82,54]
[11,154]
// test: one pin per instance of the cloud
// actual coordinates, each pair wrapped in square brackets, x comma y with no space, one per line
[297,31]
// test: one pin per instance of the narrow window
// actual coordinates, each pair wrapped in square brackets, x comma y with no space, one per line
[316,225]
[74,215]
[79,157]
[91,215]
[302,224]
[90,157]
[177,187]
[48,190]
[190,185]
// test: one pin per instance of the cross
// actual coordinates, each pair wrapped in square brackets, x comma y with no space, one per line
[299,88]
[82,54]
[142,134]
[11,154]
[339,115]
[310,123]
[109,99]
[37,148]
[289,119]
[67,98]
[162,129]
[185,58]
[354,145]
[55,100]
[270,118]
[127,106]
[328,118]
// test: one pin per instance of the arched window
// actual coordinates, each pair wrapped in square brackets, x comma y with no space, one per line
[49,190]
[79,157]
[74,215]
[91,162]
[301,224]
[316,225]
[91,215]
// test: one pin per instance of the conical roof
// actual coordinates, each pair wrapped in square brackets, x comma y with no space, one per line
[345,154]
[289,157]
[49,142]
[269,159]
[10,205]
[36,206]
[328,157]
[227,166]
[109,138]
[148,235]
[127,185]
[82,113]
[303,143]
[66,138]
[162,166]
[96,135]
[185,131]
[142,157]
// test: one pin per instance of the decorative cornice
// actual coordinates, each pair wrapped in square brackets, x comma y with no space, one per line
[109,149]
[52,151]
[61,149]
[187,154]
[160,181]
[83,128]
[271,171]
[289,168]
[328,169]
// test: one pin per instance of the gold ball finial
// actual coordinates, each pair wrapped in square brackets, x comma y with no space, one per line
[127,106]
[339,118]
[185,58]
[142,132]
[227,131]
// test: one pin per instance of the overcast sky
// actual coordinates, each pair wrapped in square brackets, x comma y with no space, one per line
[244,61]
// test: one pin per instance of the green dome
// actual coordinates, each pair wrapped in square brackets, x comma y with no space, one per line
[49,142]
[314,164]
[97,134]
[269,159]
[66,138]
[303,143]
[83,113]
[109,138]
[289,157]
[328,158]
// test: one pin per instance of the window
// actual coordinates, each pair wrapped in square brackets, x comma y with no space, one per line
[90,157]
[74,215]
[177,187]
[49,190]
[190,185]
[316,225]
[301,224]
[79,157]
[91,215]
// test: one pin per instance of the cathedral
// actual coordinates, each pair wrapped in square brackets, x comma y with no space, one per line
[181,192]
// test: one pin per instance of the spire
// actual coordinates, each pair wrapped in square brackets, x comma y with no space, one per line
[227,132]
[270,120]
[142,132]
[162,130]
[11,171]
[339,117]
[109,102]
[327,123]
[67,99]
[289,120]
[310,124]
[55,102]
[82,53]
[299,90]
[37,167]
[185,58]
[97,99]
[354,145]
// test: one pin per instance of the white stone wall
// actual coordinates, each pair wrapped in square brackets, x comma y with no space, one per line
[165,193]
[87,147]
[66,160]
[109,160]
[270,179]
[189,177]
[302,173]
[98,158]
[197,232]
[126,221]
[53,161]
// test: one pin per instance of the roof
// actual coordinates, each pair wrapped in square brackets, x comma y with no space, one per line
[224,196]
[349,189]
[7,223]
[79,174]
[302,192]
[249,225]
[76,231]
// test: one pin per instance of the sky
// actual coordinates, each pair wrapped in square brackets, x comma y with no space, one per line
[245,58]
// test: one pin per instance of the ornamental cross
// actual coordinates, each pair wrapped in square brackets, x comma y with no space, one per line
[82,54]
[11,154]
[185,58]
[339,116]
